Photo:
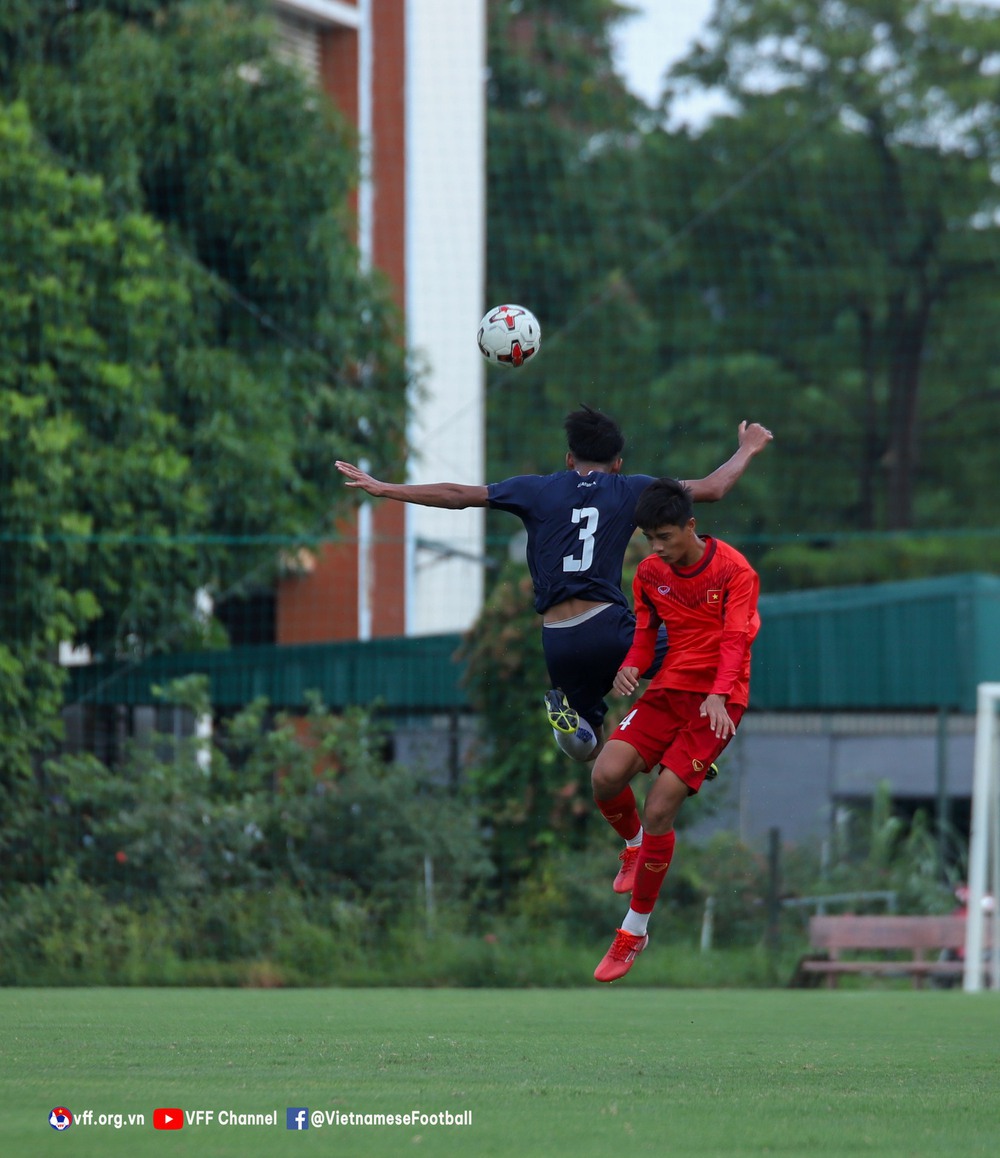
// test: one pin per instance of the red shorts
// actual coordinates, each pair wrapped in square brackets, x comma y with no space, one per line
[665,728]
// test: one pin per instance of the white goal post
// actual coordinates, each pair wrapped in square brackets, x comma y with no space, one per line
[984,847]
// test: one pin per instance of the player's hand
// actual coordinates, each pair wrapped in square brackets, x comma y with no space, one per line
[626,681]
[714,707]
[753,437]
[356,477]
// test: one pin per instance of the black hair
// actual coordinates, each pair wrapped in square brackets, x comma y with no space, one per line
[593,436]
[664,503]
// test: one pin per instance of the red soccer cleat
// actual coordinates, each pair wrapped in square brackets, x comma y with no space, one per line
[618,959]
[625,881]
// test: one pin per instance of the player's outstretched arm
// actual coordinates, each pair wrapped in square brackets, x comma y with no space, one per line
[752,439]
[453,496]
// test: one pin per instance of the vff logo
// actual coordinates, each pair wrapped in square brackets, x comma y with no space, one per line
[296,1118]
[60,1118]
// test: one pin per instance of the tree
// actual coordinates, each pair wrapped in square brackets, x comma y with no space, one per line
[273,353]
[87,443]
[188,342]
[561,129]
[522,780]
[821,257]
[886,222]
[585,200]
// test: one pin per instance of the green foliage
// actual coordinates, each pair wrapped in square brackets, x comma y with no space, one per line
[795,566]
[822,258]
[890,854]
[187,343]
[295,855]
[559,124]
[552,89]
[864,305]
[531,794]
[68,930]
[71,932]
[275,842]
[735,876]
[30,698]
[319,810]
[568,890]
[228,320]
[83,443]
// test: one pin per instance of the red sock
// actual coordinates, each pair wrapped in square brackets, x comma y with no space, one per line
[621,813]
[655,854]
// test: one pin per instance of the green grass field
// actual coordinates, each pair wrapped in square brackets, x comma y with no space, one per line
[601,1071]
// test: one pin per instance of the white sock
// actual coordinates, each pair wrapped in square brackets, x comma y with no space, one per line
[580,745]
[635,841]
[635,923]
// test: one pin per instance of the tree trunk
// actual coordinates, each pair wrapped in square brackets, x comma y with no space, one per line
[868,465]
[907,337]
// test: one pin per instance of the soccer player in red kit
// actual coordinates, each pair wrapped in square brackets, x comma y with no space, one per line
[705,592]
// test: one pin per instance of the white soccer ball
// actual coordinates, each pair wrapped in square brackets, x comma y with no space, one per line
[509,335]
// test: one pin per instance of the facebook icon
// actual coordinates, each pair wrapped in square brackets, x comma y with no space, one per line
[296,1118]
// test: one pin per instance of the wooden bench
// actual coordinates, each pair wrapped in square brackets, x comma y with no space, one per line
[918,936]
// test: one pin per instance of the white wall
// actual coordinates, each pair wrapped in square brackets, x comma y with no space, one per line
[792,770]
[445,278]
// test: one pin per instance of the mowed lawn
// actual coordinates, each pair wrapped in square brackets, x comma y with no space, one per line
[603,1071]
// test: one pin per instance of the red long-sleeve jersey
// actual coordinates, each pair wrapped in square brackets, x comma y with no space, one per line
[710,612]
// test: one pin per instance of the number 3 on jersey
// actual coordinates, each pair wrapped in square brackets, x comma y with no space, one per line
[588,516]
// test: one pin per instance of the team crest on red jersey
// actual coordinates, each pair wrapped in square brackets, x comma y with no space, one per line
[713,596]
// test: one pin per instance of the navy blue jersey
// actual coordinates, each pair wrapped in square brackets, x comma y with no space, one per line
[578,528]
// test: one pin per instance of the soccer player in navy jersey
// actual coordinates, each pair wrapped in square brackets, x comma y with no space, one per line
[579,522]
[705,592]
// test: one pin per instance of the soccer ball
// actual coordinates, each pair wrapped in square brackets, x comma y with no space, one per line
[509,335]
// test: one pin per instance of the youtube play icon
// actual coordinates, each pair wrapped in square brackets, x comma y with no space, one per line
[169,1119]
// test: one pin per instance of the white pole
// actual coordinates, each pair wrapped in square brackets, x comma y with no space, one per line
[707,924]
[982,834]
[366,576]
[204,606]
[429,893]
[366,123]
[366,245]
[989,920]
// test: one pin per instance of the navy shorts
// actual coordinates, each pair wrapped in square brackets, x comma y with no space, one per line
[584,659]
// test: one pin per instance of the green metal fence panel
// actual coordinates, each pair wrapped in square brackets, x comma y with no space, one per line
[910,645]
[418,673]
[894,646]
